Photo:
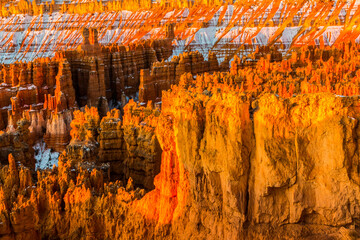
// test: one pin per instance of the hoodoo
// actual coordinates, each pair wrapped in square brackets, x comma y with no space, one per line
[176,119]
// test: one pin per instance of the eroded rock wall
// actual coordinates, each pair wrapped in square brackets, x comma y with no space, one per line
[238,161]
[112,72]
[129,146]
[305,164]
[231,168]
[164,74]
[292,172]
[42,92]
[18,142]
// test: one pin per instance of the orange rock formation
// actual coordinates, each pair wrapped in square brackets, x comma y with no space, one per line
[164,74]
[114,71]
[47,91]
[287,170]
[268,150]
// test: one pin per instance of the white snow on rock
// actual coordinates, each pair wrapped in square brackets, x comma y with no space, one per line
[24,37]
[45,157]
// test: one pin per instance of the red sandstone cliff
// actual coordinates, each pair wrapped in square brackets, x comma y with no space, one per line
[164,74]
[222,175]
[250,154]
[112,71]
[38,91]
[128,148]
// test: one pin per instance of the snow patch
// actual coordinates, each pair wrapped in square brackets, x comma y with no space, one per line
[45,157]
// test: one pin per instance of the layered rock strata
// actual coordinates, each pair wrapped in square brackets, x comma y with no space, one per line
[291,172]
[57,204]
[305,162]
[129,147]
[241,158]
[48,90]
[282,175]
[164,74]
[58,110]
[114,71]
[39,91]
[143,152]
[18,142]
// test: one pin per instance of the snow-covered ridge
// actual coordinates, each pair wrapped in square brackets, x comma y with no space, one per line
[24,38]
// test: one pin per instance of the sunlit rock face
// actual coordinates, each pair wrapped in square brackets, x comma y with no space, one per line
[179,120]
[305,166]
[230,167]
[128,148]
[197,25]
[214,140]
[228,155]
[39,91]
[164,74]
[112,72]
[47,91]
[24,86]
[294,164]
